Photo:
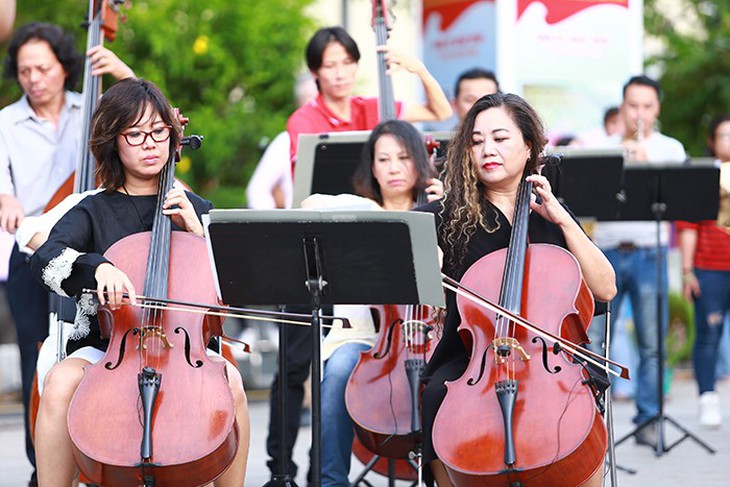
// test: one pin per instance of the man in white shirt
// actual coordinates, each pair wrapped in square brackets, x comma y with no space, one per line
[631,246]
[39,138]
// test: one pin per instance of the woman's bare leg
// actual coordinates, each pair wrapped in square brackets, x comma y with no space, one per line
[236,473]
[596,480]
[439,473]
[54,457]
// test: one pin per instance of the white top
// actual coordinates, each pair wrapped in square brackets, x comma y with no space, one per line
[362,328]
[607,235]
[44,223]
[274,169]
[35,158]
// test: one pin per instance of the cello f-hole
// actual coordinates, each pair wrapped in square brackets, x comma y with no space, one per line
[198,363]
[544,351]
[482,367]
[122,349]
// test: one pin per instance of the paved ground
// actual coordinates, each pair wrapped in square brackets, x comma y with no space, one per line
[686,464]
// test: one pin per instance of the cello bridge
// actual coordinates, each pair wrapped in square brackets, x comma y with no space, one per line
[153,332]
[504,347]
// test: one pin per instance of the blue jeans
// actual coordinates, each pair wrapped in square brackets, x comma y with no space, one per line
[337,428]
[711,307]
[636,278]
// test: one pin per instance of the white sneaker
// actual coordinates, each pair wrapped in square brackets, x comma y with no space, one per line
[710,415]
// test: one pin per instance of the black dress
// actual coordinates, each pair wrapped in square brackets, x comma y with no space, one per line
[451,358]
[67,262]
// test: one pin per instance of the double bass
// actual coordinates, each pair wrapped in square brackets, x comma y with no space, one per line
[156,410]
[103,24]
[523,412]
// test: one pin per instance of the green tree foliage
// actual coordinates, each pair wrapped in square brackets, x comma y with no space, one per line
[229,66]
[694,66]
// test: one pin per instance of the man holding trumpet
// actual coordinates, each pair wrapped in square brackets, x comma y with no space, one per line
[631,246]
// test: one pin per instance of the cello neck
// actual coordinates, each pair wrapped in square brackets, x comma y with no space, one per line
[386,102]
[510,296]
[158,259]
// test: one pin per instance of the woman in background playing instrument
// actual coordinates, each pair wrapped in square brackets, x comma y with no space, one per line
[393,171]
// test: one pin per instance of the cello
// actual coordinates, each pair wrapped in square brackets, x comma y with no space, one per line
[391,370]
[130,419]
[522,413]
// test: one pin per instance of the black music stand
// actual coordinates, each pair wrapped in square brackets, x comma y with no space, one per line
[658,193]
[600,170]
[323,257]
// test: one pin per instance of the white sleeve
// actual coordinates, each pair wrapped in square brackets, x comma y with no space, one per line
[273,169]
[6,179]
[45,222]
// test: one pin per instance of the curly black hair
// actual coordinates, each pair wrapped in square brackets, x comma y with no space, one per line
[61,42]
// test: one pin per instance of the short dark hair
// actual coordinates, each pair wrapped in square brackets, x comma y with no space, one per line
[61,42]
[643,80]
[711,136]
[321,39]
[121,106]
[610,112]
[474,73]
[364,181]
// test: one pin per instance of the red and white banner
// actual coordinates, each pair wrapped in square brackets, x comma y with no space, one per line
[569,58]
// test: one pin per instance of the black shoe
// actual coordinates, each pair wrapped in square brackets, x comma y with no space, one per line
[647,436]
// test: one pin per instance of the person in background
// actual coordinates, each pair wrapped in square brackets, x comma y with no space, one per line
[393,171]
[568,141]
[39,137]
[705,248]
[332,58]
[271,184]
[7,18]
[470,86]
[612,122]
[631,246]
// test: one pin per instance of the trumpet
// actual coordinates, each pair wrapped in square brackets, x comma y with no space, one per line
[631,142]
[640,130]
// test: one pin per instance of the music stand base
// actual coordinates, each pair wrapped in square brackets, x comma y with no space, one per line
[660,448]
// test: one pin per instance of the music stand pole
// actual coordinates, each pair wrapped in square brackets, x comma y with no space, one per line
[315,285]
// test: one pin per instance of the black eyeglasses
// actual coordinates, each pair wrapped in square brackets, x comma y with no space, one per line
[138,137]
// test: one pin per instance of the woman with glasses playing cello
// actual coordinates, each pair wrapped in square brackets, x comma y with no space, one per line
[134,133]
[495,152]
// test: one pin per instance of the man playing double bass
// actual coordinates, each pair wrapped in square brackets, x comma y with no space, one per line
[38,144]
